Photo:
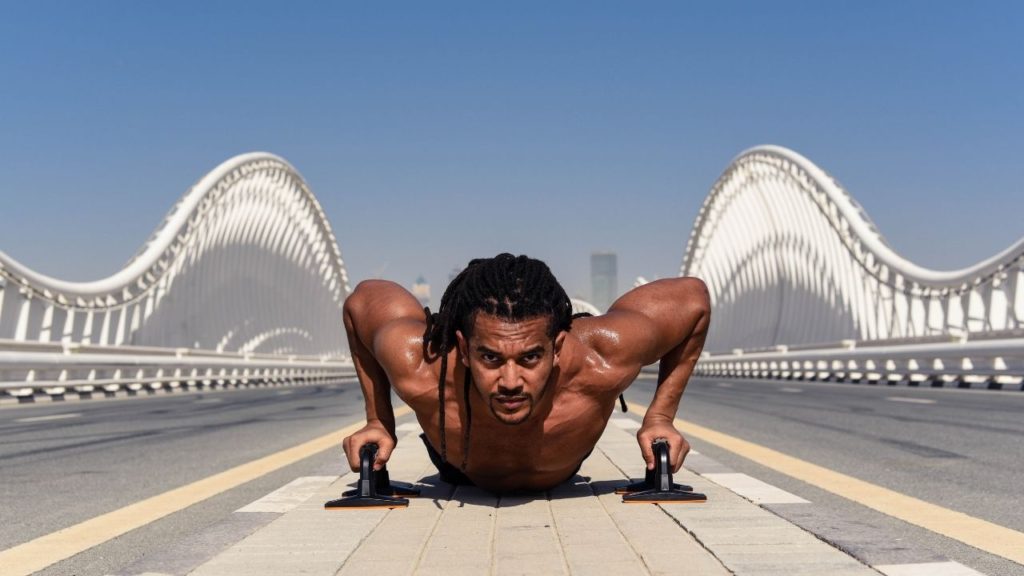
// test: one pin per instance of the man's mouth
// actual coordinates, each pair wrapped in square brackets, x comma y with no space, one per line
[511,403]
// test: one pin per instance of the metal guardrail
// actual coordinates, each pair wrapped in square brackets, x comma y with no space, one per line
[28,369]
[991,363]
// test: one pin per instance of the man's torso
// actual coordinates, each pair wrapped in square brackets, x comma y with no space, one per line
[539,453]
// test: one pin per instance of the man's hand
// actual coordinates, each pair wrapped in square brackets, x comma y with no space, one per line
[651,430]
[374,432]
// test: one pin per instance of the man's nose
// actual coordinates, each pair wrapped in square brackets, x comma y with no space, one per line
[510,381]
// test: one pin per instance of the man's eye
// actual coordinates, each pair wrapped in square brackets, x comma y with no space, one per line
[531,358]
[489,357]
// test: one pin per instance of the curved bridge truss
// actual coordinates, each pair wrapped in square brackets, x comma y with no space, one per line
[244,268]
[791,260]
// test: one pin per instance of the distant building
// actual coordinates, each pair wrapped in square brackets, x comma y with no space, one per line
[604,279]
[421,290]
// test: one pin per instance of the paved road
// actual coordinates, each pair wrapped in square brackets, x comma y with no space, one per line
[960,449]
[61,464]
[64,463]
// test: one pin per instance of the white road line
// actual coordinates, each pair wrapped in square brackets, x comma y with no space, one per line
[209,400]
[791,390]
[408,427]
[910,400]
[724,384]
[753,489]
[51,417]
[290,495]
[626,423]
[927,569]
[285,392]
[630,424]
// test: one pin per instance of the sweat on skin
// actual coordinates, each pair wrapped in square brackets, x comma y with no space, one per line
[538,398]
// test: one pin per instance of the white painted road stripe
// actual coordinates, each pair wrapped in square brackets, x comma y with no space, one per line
[290,495]
[51,417]
[626,423]
[791,390]
[927,569]
[910,400]
[753,489]
[630,424]
[724,384]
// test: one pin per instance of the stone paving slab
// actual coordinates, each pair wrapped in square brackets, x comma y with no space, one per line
[580,527]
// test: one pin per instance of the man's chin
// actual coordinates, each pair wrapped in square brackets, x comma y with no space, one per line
[512,418]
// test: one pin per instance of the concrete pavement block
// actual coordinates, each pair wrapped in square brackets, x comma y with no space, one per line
[580,527]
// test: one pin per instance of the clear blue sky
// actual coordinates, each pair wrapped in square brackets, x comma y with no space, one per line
[436,132]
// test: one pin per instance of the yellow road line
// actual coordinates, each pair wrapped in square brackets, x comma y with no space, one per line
[46,550]
[976,532]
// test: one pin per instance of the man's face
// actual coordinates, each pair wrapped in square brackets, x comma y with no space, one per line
[510,363]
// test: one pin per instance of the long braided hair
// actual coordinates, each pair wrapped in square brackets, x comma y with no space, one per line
[510,287]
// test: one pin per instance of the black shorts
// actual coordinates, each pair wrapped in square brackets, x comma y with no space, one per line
[449,473]
[453,475]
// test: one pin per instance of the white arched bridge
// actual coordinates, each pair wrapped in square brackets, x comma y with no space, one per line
[804,285]
[243,284]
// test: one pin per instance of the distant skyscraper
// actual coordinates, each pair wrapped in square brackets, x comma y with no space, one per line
[421,290]
[604,279]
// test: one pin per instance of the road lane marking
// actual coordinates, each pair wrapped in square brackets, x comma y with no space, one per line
[910,400]
[791,390]
[209,400]
[50,417]
[976,532]
[289,496]
[724,385]
[927,569]
[753,489]
[44,551]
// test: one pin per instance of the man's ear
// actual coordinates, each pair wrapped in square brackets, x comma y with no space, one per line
[559,340]
[463,347]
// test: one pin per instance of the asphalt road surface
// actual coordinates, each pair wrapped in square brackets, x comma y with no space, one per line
[959,449]
[61,464]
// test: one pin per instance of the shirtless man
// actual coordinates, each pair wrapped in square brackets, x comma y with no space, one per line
[523,389]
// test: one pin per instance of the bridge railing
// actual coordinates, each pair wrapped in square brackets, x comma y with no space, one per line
[994,361]
[29,370]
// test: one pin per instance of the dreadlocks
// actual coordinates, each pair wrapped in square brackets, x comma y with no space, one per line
[510,287]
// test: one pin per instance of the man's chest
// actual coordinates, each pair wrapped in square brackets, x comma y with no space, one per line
[536,454]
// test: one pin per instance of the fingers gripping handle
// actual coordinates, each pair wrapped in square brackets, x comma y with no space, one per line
[658,487]
[374,489]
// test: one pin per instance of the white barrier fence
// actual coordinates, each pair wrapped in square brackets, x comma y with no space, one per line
[29,370]
[993,362]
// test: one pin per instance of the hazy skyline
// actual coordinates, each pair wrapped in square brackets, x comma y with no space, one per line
[433,134]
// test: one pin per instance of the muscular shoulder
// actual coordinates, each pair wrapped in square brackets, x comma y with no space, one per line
[389,321]
[398,346]
[648,321]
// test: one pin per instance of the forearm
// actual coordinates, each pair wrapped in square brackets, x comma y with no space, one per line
[372,378]
[673,374]
[675,369]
